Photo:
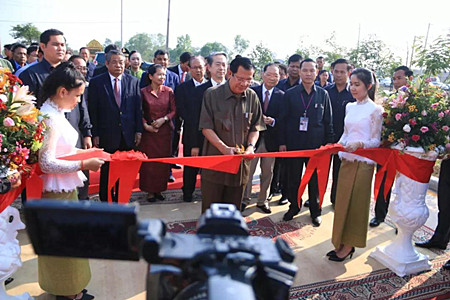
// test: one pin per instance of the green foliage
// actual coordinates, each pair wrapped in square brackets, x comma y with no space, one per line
[146,44]
[184,44]
[212,47]
[27,33]
[109,42]
[334,50]
[435,59]
[373,54]
[240,45]
[261,55]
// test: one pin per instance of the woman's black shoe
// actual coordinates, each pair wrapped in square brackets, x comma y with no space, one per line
[331,253]
[337,258]
[151,199]
[159,196]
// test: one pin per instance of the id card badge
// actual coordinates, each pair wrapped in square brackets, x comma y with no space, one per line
[303,124]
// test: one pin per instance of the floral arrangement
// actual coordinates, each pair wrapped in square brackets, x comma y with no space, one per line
[418,115]
[21,126]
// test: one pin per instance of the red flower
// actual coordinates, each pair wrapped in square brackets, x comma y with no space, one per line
[415,137]
[412,121]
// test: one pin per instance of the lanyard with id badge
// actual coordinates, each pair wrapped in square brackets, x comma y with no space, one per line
[304,120]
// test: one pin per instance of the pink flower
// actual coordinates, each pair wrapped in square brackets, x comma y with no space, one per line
[447,111]
[445,128]
[398,116]
[435,105]
[424,113]
[440,115]
[412,122]
[8,122]
[415,137]
[424,129]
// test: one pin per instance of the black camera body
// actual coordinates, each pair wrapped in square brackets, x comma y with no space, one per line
[220,261]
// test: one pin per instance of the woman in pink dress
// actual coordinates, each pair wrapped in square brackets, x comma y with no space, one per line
[158,106]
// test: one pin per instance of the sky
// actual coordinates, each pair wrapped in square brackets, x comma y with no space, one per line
[281,25]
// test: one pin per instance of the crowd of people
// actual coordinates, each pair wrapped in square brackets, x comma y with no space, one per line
[220,110]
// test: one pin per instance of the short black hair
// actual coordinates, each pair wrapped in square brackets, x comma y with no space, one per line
[73,57]
[65,75]
[270,64]
[7,46]
[185,56]
[82,48]
[31,49]
[210,58]
[295,58]
[45,36]
[307,60]
[243,62]
[405,69]
[282,66]
[160,52]
[341,61]
[111,47]
[153,68]
[319,57]
[322,71]
[17,45]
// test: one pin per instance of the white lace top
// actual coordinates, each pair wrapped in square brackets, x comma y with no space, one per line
[59,140]
[362,123]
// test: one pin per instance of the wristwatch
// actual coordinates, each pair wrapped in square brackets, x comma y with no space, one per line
[166,119]
[250,144]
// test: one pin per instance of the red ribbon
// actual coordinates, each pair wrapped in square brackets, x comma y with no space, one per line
[124,167]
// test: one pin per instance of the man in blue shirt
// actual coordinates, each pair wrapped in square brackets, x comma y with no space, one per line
[293,73]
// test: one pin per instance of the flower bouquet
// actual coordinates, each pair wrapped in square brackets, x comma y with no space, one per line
[418,115]
[21,126]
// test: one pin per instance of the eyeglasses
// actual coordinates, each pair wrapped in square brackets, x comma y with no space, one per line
[242,80]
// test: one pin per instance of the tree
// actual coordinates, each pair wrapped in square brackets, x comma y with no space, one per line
[184,44]
[374,54]
[109,42]
[334,50]
[208,48]
[310,51]
[27,33]
[240,45]
[436,59]
[261,55]
[146,44]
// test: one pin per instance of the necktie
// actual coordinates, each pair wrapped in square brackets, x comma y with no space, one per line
[182,77]
[116,91]
[266,101]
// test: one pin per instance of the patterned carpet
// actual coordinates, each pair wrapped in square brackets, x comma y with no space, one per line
[380,284]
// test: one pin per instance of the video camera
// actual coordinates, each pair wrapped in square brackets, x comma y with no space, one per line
[221,261]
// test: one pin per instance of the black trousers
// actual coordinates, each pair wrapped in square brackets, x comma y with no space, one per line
[279,177]
[104,174]
[189,175]
[442,232]
[336,167]
[382,204]
[177,122]
[295,167]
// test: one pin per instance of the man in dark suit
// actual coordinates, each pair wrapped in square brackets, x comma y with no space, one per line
[270,98]
[306,123]
[116,112]
[19,56]
[187,109]
[104,69]
[182,69]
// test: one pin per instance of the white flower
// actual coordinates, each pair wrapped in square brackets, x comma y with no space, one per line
[3,98]
[407,128]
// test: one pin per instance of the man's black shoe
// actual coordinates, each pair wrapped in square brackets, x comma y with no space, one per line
[317,221]
[265,208]
[431,244]
[291,213]
[306,203]
[270,197]
[187,198]
[283,201]
[171,178]
[175,166]
[375,222]
[243,206]
[446,266]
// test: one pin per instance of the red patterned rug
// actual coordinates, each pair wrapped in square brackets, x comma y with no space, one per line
[380,284]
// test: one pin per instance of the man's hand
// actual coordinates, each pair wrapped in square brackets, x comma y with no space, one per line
[137,138]
[282,148]
[268,120]
[195,151]
[249,150]
[225,150]
[87,142]
[96,141]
